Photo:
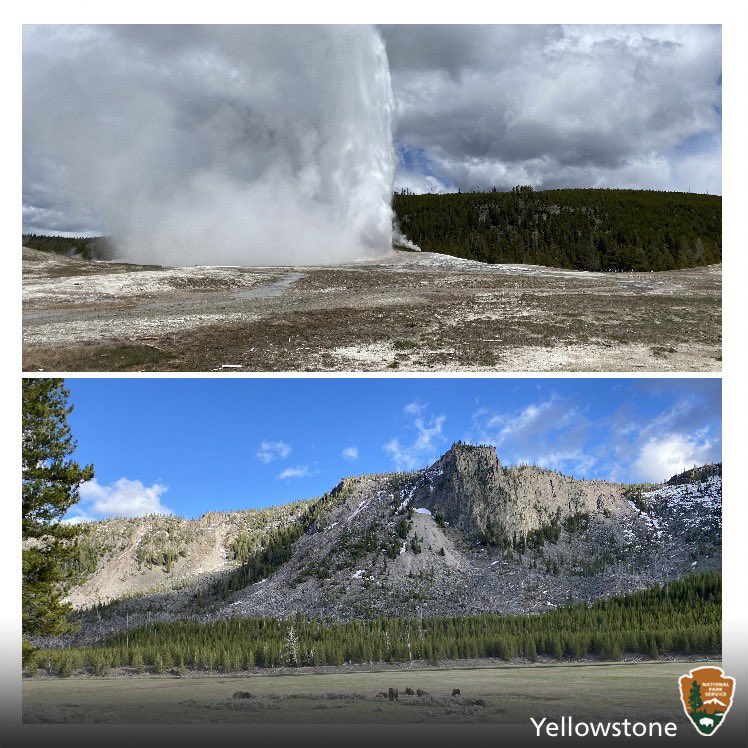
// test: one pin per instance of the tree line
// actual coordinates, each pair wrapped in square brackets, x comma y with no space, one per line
[50,481]
[700,473]
[677,618]
[580,229]
[86,247]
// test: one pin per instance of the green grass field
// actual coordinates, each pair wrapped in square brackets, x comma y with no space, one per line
[642,691]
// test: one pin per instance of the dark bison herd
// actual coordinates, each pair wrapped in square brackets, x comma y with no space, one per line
[393,694]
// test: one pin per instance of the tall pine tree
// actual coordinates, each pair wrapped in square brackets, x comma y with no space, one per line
[694,697]
[50,483]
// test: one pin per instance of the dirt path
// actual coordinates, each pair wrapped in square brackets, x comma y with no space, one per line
[410,312]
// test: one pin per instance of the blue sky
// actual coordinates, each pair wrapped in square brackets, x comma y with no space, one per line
[188,446]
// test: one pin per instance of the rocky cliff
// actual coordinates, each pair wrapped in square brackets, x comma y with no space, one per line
[464,536]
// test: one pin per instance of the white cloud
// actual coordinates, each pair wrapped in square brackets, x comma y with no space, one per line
[420,183]
[270,451]
[525,419]
[415,408]
[421,450]
[633,445]
[571,462]
[663,456]
[551,432]
[691,419]
[350,453]
[300,471]
[523,425]
[123,498]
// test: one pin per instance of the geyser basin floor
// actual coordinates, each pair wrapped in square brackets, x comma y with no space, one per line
[410,312]
[642,691]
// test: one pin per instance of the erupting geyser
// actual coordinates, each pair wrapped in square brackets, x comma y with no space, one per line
[214,144]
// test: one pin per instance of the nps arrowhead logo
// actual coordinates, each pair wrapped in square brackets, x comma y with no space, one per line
[706,694]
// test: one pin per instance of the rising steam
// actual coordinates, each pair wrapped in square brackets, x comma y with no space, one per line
[214,145]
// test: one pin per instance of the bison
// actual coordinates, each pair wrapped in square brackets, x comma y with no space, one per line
[393,694]
[419,692]
[410,692]
[706,722]
[455,692]
[243,695]
[475,702]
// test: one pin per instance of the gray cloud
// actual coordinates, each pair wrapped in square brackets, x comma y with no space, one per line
[559,106]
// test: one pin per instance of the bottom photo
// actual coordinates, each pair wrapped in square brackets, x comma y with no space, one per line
[534,552]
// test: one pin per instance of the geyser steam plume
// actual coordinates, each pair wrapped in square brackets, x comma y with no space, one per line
[214,144]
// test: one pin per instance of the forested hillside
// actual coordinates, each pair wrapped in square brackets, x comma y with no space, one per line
[583,229]
[680,617]
[85,247]
[119,557]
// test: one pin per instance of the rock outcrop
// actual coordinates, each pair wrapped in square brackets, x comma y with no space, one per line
[464,536]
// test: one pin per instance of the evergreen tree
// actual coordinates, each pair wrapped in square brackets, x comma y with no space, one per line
[532,651]
[50,483]
[137,663]
[695,702]
[158,664]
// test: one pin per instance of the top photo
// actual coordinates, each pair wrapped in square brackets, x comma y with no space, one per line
[420,198]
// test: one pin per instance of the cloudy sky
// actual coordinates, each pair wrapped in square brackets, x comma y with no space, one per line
[475,106]
[557,106]
[190,445]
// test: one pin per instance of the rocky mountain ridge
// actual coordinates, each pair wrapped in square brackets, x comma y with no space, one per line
[464,536]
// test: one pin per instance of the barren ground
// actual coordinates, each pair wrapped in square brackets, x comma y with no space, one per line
[409,312]
[511,695]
